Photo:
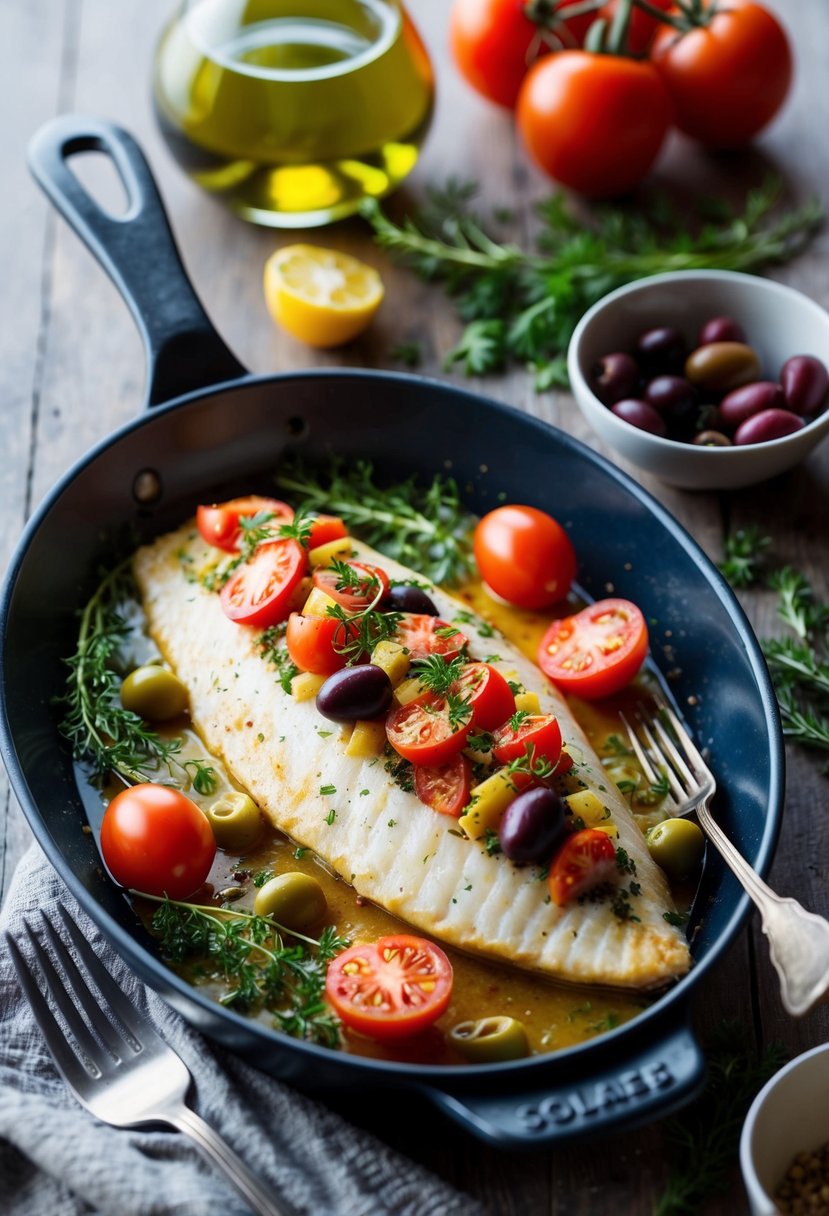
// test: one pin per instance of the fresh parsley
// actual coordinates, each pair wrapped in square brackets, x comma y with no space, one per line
[522,306]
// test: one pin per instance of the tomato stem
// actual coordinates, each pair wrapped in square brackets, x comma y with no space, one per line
[693,14]
[617,39]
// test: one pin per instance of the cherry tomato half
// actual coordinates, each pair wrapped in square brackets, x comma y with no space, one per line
[313,641]
[494,43]
[219,524]
[324,529]
[538,737]
[585,860]
[423,733]
[354,599]
[597,651]
[154,839]
[423,635]
[524,556]
[392,988]
[594,123]
[445,788]
[488,693]
[259,592]
[729,77]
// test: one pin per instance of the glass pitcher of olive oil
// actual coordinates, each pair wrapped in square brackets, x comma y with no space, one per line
[292,111]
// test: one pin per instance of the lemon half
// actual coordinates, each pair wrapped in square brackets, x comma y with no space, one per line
[321,296]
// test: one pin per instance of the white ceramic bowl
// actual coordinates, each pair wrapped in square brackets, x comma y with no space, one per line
[790,1115]
[779,322]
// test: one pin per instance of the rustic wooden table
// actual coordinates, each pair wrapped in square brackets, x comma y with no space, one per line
[71,371]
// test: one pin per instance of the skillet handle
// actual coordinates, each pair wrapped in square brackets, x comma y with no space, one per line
[620,1094]
[138,252]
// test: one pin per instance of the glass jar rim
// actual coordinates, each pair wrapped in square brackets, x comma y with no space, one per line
[390,18]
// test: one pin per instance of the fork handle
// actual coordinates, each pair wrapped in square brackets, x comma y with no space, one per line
[219,1152]
[798,940]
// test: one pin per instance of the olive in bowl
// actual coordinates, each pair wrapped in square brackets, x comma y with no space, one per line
[774,322]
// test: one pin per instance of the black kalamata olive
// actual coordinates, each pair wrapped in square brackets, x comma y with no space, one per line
[751,399]
[770,424]
[805,382]
[355,693]
[721,329]
[403,598]
[641,415]
[661,350]
[614,377]
[532,826]
[669,393]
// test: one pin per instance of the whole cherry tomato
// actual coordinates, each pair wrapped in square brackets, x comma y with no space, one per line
[594,123]
[525,556]
[494,42]
[155,839]
[728,75]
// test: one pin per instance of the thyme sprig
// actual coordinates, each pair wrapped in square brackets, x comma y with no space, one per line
[799,665]
[437,675]
[703,1140]
[250,955]
[420,525]
[101,732]
[523,306]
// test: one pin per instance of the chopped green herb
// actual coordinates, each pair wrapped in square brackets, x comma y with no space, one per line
[328,790]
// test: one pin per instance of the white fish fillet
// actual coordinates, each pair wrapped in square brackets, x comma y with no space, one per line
[393,849]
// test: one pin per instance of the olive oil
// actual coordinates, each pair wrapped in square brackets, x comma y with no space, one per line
[292,111]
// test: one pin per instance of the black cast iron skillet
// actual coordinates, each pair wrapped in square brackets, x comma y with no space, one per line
[214,431]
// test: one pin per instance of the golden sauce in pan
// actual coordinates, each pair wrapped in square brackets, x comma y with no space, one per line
[555,1015]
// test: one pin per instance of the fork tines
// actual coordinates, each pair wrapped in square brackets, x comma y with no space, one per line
[666,751]
[61,975]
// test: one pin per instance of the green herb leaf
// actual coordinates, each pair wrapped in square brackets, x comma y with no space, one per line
[419,524]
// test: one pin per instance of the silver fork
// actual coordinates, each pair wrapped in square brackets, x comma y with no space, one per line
[798,940]
[119,1068]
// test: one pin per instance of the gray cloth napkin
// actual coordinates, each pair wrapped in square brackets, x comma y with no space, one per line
[56,1158]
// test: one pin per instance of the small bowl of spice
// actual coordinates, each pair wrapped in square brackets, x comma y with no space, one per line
[784,1150]
[709,380]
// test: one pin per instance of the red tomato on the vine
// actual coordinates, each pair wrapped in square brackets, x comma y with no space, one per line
[594,123]
[729,77]
[494,43]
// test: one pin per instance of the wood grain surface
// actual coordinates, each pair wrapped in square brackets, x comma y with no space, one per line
[71,370]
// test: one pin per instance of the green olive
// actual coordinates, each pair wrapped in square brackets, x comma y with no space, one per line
[154,692]
[294,900]
[722,366]
[235,821]
[490,1039]
[677,846]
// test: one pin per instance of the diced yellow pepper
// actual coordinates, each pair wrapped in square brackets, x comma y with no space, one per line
[318,603]
[323,554]
[408,691]
[306,685]
[528,702]
[367,739]
[489,801]
[393,658]
[588,807]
